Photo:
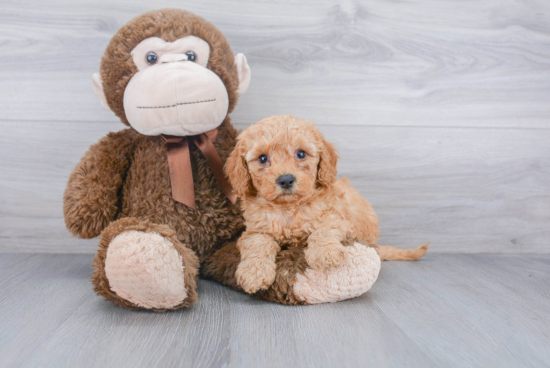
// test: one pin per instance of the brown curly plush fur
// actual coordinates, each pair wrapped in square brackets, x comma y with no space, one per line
[126,175]
[122,183]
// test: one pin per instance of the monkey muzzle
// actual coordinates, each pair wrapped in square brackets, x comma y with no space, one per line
[175,97]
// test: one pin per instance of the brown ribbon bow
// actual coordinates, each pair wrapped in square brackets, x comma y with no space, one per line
[179,162]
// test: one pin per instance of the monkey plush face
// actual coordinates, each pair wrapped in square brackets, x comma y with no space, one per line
[174,92]
[176,79]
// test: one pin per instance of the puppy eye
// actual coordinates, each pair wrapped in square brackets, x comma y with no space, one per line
[151,58]
[191,56]
[262,159]
[301,154]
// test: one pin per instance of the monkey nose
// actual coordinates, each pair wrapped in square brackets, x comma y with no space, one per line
[172,58]
[286,181]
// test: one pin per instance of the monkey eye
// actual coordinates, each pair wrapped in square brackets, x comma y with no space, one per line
[151,58]
[301,154]
[191,56]
[262,159]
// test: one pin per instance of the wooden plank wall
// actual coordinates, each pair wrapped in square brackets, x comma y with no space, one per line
[440,109]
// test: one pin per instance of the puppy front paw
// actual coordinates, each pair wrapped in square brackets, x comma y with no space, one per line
[327,255]
[253,275]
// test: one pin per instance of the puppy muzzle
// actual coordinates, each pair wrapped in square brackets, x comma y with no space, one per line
[286,181]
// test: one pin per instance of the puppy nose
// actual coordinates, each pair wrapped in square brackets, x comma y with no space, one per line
[286,181]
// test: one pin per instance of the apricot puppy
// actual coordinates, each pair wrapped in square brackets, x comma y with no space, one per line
[284,171]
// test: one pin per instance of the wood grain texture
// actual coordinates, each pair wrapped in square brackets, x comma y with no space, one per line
[418,63]
[442,311]
[463,189]
[440,109]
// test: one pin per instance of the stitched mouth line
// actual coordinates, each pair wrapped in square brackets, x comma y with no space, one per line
[181,103]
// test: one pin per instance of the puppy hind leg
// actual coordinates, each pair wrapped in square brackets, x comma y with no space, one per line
[390,253]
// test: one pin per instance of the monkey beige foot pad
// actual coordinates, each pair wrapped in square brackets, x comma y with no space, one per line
[145,269]
[352,278]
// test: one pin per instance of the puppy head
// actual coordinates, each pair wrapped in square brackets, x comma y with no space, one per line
[282,159]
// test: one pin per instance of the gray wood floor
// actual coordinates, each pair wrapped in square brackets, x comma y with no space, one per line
[444,311]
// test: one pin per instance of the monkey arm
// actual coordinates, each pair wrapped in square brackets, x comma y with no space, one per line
[91,200]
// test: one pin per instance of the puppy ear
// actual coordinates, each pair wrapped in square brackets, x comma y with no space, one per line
[236,170]
[327,163]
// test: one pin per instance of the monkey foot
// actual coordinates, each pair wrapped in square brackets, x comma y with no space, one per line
[146,270]
[140,264]
[348,280]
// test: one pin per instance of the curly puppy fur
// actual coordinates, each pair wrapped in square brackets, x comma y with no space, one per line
[317,209]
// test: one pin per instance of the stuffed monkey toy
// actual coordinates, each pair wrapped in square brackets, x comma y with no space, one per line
[155,192]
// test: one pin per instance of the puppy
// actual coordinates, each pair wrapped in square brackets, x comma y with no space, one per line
[284,171]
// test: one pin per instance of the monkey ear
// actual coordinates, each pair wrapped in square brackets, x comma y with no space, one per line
[97,86]
[236,170]
[244,73]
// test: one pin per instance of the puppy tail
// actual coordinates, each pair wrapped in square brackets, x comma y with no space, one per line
[389,253]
